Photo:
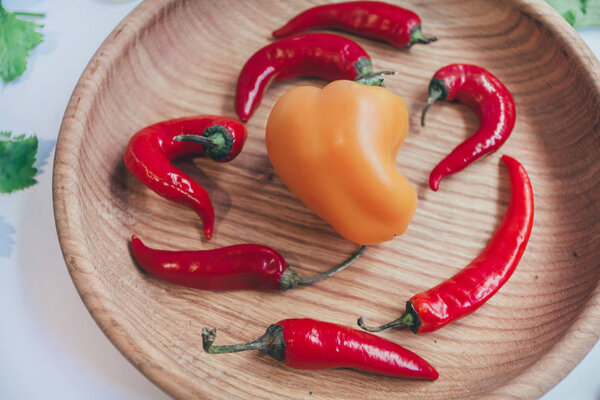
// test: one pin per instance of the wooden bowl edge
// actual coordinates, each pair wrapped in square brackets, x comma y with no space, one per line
[533,382]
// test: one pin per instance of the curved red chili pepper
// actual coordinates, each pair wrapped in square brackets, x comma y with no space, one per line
[373,19]
[491,101]
[320,55]
[470,288]
[312,344]
[244,266]
[150,151]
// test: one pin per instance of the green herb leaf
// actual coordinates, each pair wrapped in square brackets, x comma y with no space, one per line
[17,155]
[578,13]
[570,17]
[17,38]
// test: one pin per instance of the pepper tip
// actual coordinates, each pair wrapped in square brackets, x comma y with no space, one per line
[208,338]
[434,184]
[432,374]
[136,243]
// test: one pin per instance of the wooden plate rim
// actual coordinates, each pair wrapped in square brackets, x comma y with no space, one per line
[564,355]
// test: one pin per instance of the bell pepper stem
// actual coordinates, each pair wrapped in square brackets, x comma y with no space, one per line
[290,279]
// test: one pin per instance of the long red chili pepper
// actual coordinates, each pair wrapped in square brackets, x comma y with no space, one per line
[244,266]
[312,344]
[320,55]
[373,19]
[150,151]
[491,101]
[470,288]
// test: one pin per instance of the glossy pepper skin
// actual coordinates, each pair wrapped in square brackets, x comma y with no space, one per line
[373,19]
[341,162]
[239,267]
[319,55]
[471,287]
[314,345]
[149,153]
[488,98]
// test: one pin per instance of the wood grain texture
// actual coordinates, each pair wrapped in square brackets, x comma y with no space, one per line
[176,58]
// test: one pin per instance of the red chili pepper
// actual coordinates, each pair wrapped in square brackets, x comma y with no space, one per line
[311,344]
[320,55]
[470,288]
[373,19]
[244,266]
[491,101]
[150,151]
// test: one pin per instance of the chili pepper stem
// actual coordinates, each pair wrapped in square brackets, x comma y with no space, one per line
[290,278]
[368,328]
[272,343]
[209,336]
[312,279]
[375,78]
[203,140]
[365,74]
[216,140]
[434,95]
[409,319]
[416,36]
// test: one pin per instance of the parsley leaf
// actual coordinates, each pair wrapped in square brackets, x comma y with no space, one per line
[17,38]
[17,155]
[578,13]
[570,17]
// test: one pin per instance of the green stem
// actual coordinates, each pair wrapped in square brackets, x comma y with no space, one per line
[434,95]
[409,319]
[290,279]
[216,140]
[416,36]
[316,278]
[196,139]
[368,328]
[272,343]
[375,78]
[209,336]
[26,14]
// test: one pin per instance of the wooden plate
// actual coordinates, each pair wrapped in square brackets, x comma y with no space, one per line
[176,58]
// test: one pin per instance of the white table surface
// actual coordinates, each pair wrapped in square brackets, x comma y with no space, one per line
[50,347]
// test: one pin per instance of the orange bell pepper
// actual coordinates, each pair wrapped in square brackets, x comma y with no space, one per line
[335,148]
